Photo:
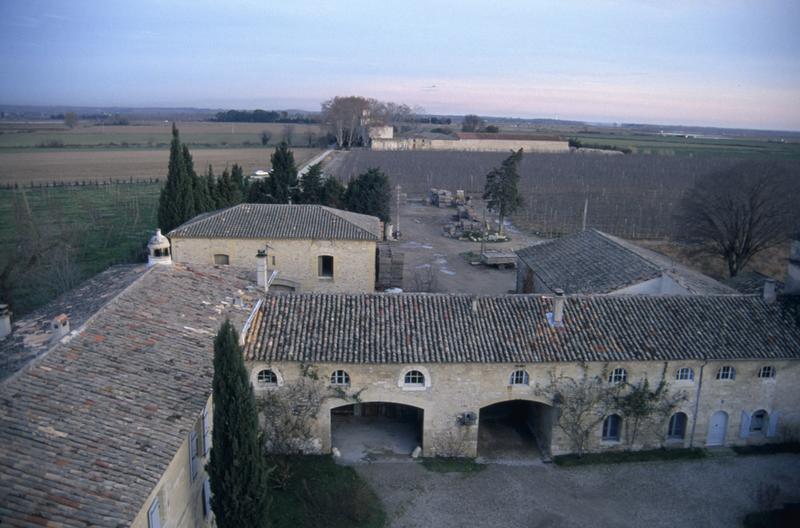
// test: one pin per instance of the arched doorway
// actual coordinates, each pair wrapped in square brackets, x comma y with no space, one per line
[365,431]
[515,429]
[717,427]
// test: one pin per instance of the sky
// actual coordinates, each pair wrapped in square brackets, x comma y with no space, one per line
[730,63]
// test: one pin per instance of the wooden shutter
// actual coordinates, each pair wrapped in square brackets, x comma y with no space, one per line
[193,453]
[773,424]
[206,498]
[744,427]
[206,432]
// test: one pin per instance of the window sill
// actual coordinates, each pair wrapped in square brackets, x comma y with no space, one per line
[413,388]
[325,278]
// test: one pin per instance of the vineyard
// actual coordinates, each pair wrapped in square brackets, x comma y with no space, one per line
[630,196]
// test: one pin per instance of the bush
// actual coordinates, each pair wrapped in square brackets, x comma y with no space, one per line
[616,457]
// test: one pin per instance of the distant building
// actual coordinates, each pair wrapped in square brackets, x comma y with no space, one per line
[311,247]
[476,142]
[593,262]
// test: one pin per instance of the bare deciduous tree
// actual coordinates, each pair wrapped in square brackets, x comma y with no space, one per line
[288,414]
[740,211]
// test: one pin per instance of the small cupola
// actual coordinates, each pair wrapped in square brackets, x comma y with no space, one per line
[60,327]
[158,250]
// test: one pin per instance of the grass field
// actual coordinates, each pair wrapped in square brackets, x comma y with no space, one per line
[24,135]
[97,225]
[66,165]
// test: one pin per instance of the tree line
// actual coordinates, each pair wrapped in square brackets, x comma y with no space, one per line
[185,194]
[262,116]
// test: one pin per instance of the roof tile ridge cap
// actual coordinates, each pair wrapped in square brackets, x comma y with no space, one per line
[78,331]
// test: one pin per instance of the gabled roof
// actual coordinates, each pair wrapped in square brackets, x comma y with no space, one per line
[751,282]
[88,429]
[594,262]
[441,328]
[315,222]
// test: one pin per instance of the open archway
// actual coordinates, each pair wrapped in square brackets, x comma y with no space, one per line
[515,429]
[365,431]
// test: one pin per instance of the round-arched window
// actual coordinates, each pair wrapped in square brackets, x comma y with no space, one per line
[340,378]
[414,378]
[267,377]
[519,377]
[618,375]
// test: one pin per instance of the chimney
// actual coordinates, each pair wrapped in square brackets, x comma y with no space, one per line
[558,307]
[5,321]
[158,250]
[261,269]
[60,327]
[769,291]
[792,285]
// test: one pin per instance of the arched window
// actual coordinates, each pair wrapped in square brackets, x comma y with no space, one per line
[414,378]
[611,426]
[267,378]
[684,374]
[340,378]
[520,377]
[767,371]
[677,426]
[726,373]
[758,421]
[618,375]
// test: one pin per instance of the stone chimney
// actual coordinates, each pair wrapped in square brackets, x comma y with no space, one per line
[558,307]
[261,270]
[769,291]
[792,284]
[60,328]
[5,321]
[158,250]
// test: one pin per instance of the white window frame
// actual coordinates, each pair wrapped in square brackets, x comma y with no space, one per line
[609,438]
[519,378]
[726,373]
[266,384]
[401,380]
[340,378]
[618,375]
[766,372]
[684,374]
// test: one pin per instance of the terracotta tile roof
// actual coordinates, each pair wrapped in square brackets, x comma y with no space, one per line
[31,333]
[88,429]
[281,221]
[594,262]
[441,328]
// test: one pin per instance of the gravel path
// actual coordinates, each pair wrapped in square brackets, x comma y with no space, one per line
[716,492]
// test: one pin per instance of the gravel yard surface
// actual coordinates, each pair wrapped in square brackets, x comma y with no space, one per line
[715,492]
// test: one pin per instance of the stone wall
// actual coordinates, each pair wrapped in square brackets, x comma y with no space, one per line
[295,260]
[458,388]
[180,497]
[470,145]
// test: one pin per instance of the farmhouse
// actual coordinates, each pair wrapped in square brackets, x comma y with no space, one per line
[595,262]
[472,142]
[306,247]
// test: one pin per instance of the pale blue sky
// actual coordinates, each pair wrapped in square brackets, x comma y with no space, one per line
[707,62]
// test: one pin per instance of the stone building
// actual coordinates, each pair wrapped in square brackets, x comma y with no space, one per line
[593,262]
[443,362]
[311,247]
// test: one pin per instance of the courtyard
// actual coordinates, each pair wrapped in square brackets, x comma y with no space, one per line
[714,492]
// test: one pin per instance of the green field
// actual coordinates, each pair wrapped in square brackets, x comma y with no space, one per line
[86,229]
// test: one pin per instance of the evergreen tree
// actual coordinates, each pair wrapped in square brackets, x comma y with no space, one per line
[501,187]
[176,203]
[260,191]
[199,190]
[370,194]
[237,176]
[283,177]
[236,469]
[311,183]
[211,189]
[332,193]
[226,190]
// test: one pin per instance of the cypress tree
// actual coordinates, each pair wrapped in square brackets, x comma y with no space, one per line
[260,191]
[311,182]
[176,203]
[239,181]
[237,470]
[199,191]
[332,193]
[283,178]
[211,189]
[370,194]
[226,190]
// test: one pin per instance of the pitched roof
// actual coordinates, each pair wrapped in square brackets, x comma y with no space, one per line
[31,333]
[442,328]
[751,282]
[89,428]
[281,221]
[594,262]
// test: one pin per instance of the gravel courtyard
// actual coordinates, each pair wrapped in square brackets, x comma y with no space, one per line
[716,492]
